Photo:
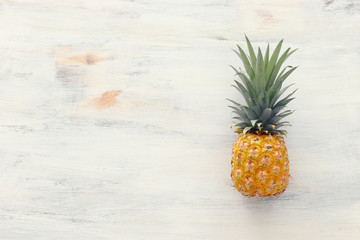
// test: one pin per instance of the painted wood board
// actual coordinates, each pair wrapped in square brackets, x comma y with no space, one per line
[114,123]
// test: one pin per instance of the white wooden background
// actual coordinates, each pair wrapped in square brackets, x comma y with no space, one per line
[114,124]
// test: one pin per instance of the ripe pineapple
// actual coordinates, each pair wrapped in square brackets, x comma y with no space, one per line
[260,165]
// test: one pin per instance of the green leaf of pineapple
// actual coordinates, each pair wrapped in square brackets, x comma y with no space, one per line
[273,99]
[251,52]
[240,113]
[266,114]
[266,58]
[283,102]
[245,61]
[274,90]
[249,112]
[246,130]
[278,65]
[259,78]
[243,92]
[246,81]
[270,66]
[261,86]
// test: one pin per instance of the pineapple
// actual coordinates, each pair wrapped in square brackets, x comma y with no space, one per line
[260,164]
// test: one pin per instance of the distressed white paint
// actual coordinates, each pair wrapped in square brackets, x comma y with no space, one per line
[156,164]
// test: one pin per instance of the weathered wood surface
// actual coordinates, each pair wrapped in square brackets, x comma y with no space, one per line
[113,121]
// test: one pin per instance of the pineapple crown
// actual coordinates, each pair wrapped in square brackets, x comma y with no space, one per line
[261,86]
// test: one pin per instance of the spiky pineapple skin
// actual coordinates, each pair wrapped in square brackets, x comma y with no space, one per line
[260,165]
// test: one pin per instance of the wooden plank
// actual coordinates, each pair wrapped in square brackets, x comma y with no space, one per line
[114,122]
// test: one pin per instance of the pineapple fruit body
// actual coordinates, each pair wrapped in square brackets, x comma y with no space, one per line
[260,165]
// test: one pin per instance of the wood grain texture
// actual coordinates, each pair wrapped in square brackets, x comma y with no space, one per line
[113,121]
